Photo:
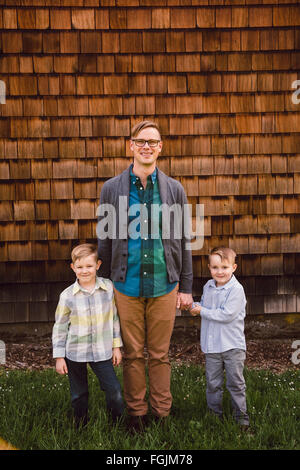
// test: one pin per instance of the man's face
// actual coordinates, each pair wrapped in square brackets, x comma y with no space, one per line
[146,155]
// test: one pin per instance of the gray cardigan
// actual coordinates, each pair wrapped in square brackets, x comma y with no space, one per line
[114,251]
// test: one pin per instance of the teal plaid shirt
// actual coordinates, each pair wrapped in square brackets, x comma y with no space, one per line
[146,270]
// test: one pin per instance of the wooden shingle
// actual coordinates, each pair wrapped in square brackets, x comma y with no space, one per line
[60,18]
[42,18]
[206,18]
[42,189]
[62,189]
[27,18]
[12,42]
[183,18]
[118,18]
[10,18]
[83,18]
[154,42]
[102,18]
[160,18]
[261,16]
[223,18]
[69,42]
[137,17]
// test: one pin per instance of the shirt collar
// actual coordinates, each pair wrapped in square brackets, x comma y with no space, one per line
[228,284]
[98,285]
[136,178]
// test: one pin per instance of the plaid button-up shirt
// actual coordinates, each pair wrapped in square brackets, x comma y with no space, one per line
[86,325]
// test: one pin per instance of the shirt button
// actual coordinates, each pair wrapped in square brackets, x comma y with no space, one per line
[145,273]
[145,256]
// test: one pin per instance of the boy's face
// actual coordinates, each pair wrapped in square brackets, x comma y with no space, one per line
[221,270]
[86,268]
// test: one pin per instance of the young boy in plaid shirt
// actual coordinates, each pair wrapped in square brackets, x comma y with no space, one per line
[87,330]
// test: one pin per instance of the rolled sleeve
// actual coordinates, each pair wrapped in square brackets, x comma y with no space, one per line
[60,329]
[229,311]
[117,339]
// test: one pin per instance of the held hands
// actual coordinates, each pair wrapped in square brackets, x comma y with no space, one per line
[61,366]
[116,357]
[195,310]
[184,301]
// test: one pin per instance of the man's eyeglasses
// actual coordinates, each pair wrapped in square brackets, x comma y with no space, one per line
[141,142]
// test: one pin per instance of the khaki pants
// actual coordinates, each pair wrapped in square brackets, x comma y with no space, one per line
[147,321]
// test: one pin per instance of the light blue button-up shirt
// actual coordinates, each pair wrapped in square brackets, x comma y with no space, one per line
[223,310]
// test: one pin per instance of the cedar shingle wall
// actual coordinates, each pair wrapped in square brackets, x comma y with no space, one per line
[216,75]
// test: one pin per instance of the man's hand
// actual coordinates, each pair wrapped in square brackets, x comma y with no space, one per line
[184,301]
[116,357]
[61,366]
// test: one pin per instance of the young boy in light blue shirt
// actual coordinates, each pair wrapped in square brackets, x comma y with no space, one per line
[223,309]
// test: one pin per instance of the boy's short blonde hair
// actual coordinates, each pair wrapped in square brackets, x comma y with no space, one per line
[143,125]
[83,250]
[224,253]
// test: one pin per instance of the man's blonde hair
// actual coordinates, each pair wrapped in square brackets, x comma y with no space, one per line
[224,252]
[83,250]
[143,125]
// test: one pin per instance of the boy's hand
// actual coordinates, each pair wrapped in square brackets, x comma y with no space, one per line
[116,357]
[61,366]
[195,310]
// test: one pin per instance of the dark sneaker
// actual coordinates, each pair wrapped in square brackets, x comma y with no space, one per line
[245,428]
[81,422]
[116,420]
[137,424]
[161,421]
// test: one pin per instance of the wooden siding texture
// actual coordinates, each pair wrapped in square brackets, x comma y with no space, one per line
[216,75]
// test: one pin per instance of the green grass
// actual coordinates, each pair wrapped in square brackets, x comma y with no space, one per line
[35,414]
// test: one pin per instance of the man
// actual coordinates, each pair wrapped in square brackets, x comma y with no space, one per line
[152,273]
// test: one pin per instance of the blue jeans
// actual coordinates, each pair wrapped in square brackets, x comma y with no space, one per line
[104,370]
